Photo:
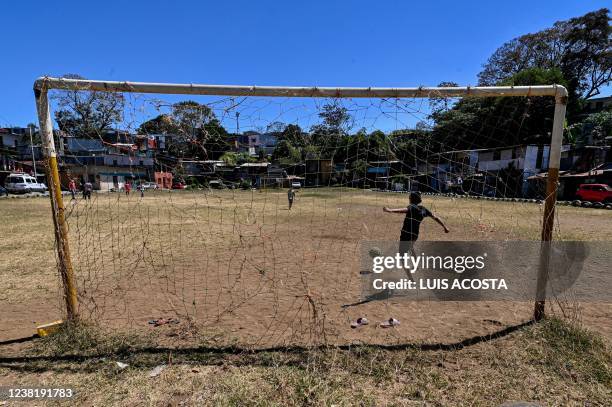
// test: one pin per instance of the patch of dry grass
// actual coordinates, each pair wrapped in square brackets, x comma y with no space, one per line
[554,363]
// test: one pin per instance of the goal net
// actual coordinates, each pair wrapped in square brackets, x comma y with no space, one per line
[235,216]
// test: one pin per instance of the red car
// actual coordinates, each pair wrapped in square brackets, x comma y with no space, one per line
[594,193]
[179,185]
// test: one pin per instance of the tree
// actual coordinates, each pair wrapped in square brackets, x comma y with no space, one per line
[600,125]
[191,116]
[275,127]
[87,113]
[196,131]
[162,124]
[286,152]
[441,104]
[578,47]
[233,158]
[495,122]
[327,136]
[229,158]
[335,117]
[214,139]
[294,135]
[593,130]
[358,169]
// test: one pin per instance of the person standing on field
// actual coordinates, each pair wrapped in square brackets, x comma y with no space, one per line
[290,197]
[87,188]
[128,188]
[73,188]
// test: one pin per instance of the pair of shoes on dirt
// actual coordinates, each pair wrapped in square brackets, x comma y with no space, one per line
[391,322]
[163,321]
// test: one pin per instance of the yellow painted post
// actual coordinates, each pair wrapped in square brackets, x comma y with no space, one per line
[57,203]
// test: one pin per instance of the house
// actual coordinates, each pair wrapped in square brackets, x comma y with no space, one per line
[318,172]
[163,179]
[253,172]
[379,173]
[596,105]
[500,171]
[206,169]
[19,151]
[579,165]
[108,162]
[256,143]
[107,171]
[278,177]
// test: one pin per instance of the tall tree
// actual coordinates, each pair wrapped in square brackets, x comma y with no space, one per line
[495,122]
[579,47]
[162,124]
[293,134]
[195,130]
[327,135]
[85,113]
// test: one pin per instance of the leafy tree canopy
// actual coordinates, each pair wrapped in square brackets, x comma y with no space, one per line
[578,47]
[87,113]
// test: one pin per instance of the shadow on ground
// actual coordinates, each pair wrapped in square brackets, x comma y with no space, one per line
[237,356]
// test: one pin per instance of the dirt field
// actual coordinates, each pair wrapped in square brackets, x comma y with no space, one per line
[237,267]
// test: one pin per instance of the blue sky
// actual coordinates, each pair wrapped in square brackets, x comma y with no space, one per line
[323,43]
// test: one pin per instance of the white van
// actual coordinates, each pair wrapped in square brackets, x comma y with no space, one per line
[20,183]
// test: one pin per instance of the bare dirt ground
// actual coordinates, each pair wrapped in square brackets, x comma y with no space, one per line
[237,267]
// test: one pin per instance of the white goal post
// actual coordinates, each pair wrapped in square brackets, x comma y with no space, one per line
[44,84]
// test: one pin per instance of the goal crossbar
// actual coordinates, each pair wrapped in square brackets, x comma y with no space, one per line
[298,91]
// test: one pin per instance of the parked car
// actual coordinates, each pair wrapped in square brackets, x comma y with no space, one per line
[594,193]
[296,185]
[3,191]
[179,185]
[217,184]
[20,183]
[149,185]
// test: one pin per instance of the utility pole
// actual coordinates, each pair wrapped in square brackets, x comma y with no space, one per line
[237,131]
[33,159]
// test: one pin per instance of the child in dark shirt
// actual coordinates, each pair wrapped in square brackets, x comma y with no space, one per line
[415,213]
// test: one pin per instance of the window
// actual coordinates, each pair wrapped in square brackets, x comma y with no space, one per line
[114,163]
[514,153]
[496,155]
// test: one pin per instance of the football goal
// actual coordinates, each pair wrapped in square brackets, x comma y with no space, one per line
[236,213]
